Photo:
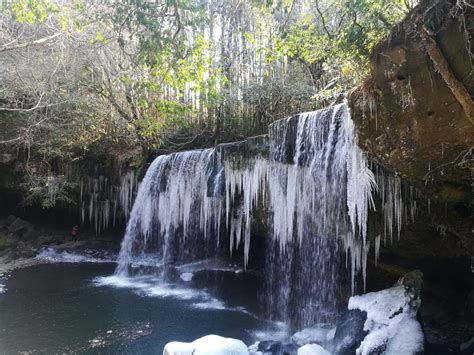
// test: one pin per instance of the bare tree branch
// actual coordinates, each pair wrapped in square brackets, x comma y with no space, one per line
[7,47]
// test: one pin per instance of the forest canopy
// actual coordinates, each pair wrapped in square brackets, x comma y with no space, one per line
[80,77]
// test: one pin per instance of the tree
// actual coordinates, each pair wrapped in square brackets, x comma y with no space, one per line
[80,77]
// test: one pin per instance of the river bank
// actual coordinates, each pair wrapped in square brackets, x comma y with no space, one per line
[24,244]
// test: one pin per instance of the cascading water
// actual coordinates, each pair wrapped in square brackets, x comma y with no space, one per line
[315,184]
[175,210]
[320,188]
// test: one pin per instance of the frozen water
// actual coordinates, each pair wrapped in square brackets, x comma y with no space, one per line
[103,201]
[316,186]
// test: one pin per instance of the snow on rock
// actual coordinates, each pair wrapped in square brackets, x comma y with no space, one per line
[207,345]
[310,335]
[312,349]
[408,339]
[217,345]
[186,276]
[178,348]
[391,320]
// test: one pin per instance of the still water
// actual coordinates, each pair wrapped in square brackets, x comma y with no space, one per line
[76,308]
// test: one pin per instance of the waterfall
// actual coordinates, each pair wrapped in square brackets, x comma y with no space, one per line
[176,208]
[314,188]
[320,190]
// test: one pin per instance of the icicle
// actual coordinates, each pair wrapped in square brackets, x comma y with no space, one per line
[377,248]
[244,182]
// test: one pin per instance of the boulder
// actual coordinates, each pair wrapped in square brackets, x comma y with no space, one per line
[349,332]
[277,348]
[270,346]
[391,322]
[413,281]
[207,345]
[313,349]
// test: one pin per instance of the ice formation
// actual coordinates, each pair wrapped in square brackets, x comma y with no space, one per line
[314,188]
[103,201]
[244,182]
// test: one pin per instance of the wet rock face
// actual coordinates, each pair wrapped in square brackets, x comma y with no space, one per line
[406,115]
[237,152]
[349,332]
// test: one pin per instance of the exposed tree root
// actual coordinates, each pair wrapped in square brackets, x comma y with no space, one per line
[442,66]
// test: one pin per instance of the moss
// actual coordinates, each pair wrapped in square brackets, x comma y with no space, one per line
[4,243]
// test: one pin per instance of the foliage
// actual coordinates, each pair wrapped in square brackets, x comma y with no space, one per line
[48,190]
[85,76]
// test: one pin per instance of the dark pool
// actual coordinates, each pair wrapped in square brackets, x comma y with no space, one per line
[74,307]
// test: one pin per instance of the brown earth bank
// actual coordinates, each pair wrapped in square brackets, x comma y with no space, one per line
[415,116]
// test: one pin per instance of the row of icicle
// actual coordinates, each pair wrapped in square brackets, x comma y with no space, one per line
[328,183]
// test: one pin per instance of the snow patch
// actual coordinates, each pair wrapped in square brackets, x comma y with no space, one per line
[207,345]
[312,349]
[178,348]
